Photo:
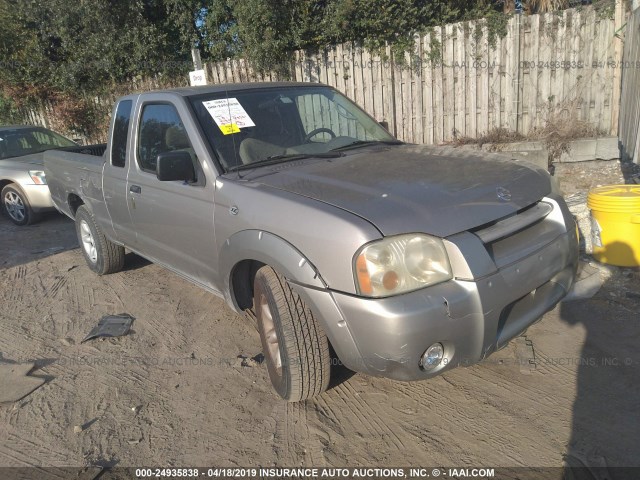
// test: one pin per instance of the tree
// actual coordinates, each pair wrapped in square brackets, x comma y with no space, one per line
[267,31]
[89,45]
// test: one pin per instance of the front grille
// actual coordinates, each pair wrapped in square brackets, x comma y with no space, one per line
[510,225]
[518,236]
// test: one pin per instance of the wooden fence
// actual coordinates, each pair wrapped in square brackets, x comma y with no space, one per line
[630,104]
[457,82]
[460,82]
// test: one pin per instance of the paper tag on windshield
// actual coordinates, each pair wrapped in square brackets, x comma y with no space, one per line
[228,115]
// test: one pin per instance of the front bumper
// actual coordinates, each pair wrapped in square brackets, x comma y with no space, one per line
[470,318]
[38,196]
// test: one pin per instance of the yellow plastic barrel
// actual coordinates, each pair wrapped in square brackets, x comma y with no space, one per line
[615,224]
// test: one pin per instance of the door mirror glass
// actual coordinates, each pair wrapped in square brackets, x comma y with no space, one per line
[178,165]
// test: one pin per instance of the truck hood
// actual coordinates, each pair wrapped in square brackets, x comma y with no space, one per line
[409,188]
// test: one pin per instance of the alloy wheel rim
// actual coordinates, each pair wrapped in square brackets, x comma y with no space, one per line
[270,335]
[88,243]
[15,206]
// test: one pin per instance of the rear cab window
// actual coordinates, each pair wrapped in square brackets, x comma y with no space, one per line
[120,133]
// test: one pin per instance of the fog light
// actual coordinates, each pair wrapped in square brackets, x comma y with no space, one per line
[432,357]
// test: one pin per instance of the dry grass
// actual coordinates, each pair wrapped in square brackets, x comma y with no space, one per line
[556,135]
[558,132]
[495,136]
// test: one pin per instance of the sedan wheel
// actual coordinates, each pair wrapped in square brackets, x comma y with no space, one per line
[15,205]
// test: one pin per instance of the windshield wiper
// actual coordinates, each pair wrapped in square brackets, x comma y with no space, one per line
[361,143]
[274,159]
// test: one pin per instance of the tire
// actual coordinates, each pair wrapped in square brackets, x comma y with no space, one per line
[16,206]
[102,255]
[295,347]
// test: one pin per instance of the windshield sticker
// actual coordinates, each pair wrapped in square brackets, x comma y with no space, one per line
[228,115]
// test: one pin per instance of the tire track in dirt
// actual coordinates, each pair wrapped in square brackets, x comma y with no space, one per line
[442,422]
[73,298]
[115,285]
[19,450]
[16,286]
[525,394]
[374,416]
[90,296]
[363,417]
[344,409]
[163,332]
[551,365]
[55,288]
[20,272]
[22,339]
[295,443]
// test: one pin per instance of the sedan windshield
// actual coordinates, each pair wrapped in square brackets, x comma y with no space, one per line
[16,142]
[260,126]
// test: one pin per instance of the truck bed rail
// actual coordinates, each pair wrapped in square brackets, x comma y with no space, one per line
[96,150]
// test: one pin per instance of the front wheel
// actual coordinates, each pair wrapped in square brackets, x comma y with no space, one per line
[16,206]
[102,255]
[295,347]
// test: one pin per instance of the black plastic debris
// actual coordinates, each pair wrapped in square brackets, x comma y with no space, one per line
[111,326]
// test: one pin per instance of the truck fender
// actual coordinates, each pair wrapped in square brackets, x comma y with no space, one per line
[276,252]
[269,249]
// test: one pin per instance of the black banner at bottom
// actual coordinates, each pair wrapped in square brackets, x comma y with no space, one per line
[329,473]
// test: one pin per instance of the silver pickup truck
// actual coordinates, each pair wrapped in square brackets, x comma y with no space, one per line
[290,202]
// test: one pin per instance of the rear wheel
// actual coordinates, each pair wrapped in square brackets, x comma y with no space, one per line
[102,255]
[16,206]
[295,347]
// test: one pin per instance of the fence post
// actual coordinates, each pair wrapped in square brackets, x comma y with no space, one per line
[519,78]
[393,124]
[617,77]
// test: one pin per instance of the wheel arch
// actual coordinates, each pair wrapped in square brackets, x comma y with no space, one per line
[245,252]
[241,282]
[4,182]
[75,202]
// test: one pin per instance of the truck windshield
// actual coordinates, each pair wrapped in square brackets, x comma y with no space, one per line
[247,128]
[16,142]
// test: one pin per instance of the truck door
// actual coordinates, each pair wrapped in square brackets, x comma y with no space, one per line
[173,220]
[114,177]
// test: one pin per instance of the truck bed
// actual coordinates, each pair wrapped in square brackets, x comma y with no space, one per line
[74,174]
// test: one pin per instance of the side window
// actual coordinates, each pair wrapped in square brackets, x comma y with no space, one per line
[44,139]
[161,130]
[120,132]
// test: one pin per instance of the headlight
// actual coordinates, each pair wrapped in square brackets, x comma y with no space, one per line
[38,177]
[401,264]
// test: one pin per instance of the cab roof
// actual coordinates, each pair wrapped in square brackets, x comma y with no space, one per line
[235,87]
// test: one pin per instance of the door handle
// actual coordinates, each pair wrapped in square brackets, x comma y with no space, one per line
[135,189]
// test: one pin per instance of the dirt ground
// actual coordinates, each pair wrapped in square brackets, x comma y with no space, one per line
[177,392]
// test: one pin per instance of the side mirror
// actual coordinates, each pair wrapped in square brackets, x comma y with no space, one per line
[171,166]
[384,124]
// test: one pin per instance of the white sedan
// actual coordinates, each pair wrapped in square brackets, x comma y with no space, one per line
[23,188]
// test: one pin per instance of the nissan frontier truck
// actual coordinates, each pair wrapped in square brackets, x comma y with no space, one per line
[290,202]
